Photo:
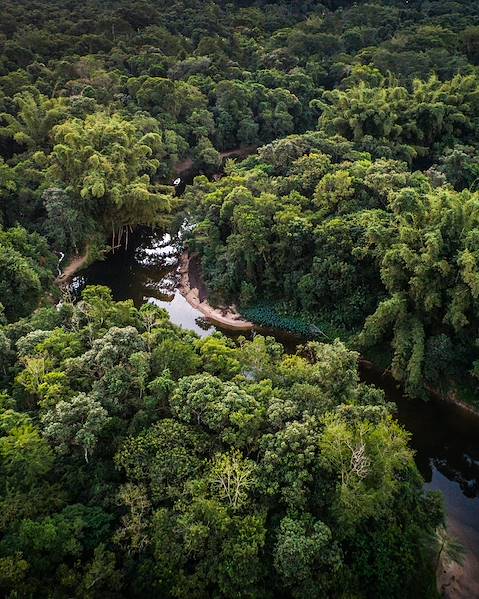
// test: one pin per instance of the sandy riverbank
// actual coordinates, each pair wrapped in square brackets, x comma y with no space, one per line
[193,289]
[458,581]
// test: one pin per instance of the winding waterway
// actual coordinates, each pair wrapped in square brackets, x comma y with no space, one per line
[445,438]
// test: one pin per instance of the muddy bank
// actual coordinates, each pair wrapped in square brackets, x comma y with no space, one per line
[193,289]
[76,264]
[460,581]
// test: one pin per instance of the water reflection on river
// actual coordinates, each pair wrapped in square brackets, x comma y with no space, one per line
[446,439]
[146,272]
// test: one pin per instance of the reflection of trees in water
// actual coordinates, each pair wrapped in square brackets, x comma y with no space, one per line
[146,269]
[465,473]
[459,464]
[444,437]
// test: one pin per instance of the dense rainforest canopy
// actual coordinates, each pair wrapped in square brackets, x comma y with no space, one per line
[137,460]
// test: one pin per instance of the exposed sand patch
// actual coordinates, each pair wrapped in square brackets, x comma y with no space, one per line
[193,289]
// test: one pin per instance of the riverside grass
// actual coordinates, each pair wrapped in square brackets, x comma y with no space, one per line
[279,316]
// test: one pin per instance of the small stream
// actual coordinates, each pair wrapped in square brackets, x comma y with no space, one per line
[445,438]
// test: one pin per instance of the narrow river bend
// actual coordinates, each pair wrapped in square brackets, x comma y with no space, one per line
[445,438]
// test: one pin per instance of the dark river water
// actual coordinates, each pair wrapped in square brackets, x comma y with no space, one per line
[444,437]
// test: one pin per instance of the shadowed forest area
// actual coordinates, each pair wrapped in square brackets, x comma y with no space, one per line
[138,459]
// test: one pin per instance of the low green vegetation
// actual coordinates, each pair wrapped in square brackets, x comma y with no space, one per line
[274,318]
[281,317]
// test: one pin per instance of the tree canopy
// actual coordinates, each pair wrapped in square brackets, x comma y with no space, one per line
[139,460]
[243,470]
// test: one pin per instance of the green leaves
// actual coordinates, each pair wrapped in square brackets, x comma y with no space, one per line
[24,455]
[35,119]
[75,424]
[306,557]
[107,161]
[430,271]
[256,470]
[411,123]
[223,408]
[26,266]
[232,478]
[165,457]
[367,460]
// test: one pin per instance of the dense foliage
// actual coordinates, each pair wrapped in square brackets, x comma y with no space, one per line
[103,99]
[26,267]
[362,245]
[139,460]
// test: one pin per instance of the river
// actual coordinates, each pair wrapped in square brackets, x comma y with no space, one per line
[445,438]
